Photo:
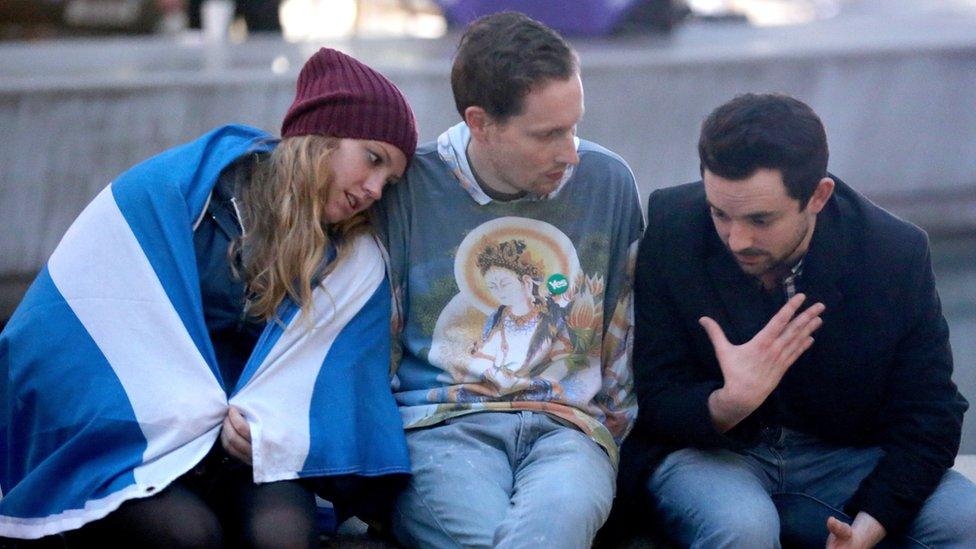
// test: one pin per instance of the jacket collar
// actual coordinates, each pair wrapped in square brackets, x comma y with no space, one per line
[832,252]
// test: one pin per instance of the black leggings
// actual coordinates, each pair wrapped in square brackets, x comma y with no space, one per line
[216,504]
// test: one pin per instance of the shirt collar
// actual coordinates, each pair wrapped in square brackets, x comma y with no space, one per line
[451,147]
[789,281]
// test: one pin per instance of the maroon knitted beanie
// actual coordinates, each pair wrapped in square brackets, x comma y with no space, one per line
[339,96]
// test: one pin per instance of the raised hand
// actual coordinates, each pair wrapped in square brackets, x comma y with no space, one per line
[754,369]
[235,435]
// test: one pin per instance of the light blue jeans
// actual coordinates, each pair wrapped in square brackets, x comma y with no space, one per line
[504,479]
[784,490]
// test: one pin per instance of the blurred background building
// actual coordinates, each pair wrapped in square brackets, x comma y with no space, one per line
[90,87]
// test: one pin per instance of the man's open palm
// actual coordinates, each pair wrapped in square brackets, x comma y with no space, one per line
[754,369]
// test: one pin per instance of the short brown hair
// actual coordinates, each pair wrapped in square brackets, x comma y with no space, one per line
[771,131]
[502,57]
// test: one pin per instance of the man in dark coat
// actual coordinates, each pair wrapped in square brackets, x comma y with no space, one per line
[790,353]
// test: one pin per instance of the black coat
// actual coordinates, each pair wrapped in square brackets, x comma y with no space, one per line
[877,374]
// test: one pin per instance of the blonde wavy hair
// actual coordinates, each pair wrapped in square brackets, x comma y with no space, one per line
[287,237]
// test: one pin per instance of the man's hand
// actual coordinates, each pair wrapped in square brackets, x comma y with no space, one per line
[864,533]
[235,435]
[754,369]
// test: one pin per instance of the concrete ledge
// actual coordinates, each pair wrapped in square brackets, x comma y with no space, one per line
[966,464]
[894,93]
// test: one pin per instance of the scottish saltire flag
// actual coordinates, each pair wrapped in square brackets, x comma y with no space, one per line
[109,384]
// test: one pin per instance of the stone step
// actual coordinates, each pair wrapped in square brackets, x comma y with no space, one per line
[966,464]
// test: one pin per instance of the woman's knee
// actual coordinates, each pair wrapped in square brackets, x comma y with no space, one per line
[176,517]
[197,532]
[280,527]
[277,514]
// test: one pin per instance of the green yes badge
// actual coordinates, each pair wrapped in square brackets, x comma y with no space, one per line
[557,284]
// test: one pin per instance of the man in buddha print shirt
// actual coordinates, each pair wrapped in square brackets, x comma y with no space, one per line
[512,245]
[790,350]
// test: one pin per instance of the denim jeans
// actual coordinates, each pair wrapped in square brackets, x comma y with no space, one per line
[504,479]
[784,489]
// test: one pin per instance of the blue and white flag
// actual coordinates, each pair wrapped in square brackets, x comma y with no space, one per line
[109,383]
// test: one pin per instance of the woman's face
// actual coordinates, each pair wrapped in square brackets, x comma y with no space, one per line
[506,287]
[360,170]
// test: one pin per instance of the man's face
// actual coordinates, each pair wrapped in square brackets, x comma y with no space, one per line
[763,227]
[531,152]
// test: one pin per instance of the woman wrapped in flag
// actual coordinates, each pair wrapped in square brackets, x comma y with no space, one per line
[209,343]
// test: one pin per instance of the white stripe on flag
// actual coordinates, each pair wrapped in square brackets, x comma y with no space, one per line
[107,280]
[289,372]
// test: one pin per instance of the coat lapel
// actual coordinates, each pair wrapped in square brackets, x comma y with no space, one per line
[829,258]
[740,295]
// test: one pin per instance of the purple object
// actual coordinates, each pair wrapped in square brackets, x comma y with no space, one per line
[579,17]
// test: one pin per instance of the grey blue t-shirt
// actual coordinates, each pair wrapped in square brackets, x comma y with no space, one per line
[516,305]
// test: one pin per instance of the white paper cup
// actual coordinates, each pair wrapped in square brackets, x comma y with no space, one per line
[215,18]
